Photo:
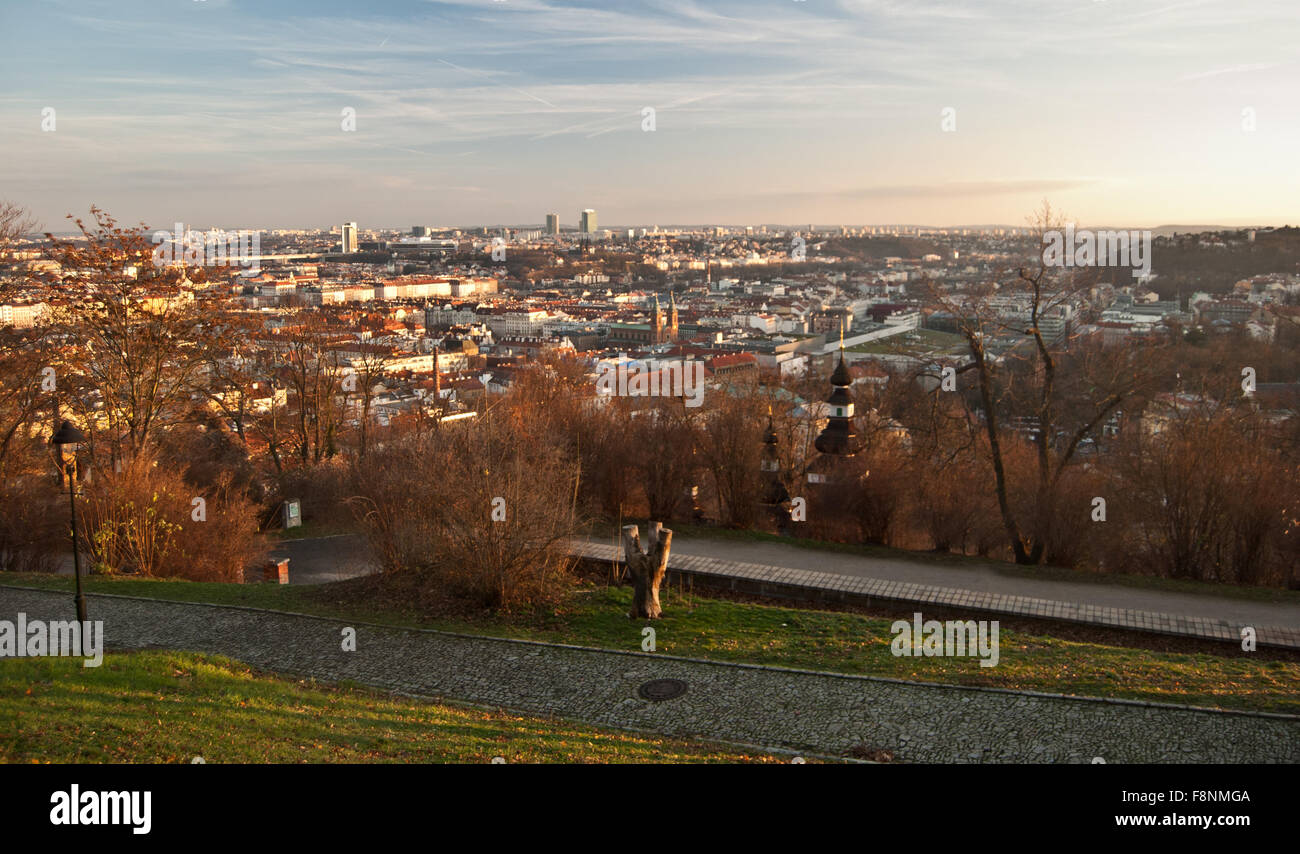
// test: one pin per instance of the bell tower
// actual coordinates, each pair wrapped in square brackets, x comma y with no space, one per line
[838,437]
[837,441]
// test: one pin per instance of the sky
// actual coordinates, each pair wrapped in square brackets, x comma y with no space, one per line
[231,113]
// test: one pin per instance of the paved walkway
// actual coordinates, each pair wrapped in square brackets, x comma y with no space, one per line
[779,569]
[318,560]
[984,578]
[786,570]
[762,706]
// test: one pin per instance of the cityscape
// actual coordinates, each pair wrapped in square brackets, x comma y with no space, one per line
[660,383]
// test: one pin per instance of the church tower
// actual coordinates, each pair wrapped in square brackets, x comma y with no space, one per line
[657,324]
[838,437]
[672,315]
[775,497]
[836,442]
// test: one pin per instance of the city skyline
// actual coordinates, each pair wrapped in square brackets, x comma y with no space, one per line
[830,113]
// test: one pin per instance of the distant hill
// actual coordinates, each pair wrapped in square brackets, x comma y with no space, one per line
[1169,230]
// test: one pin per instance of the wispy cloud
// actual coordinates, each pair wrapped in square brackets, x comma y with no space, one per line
[535,94]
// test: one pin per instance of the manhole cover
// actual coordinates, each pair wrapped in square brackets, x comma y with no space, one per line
[662,689]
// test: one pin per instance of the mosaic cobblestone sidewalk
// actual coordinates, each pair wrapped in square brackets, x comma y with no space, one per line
[798,710]
[325,559]
[784,581]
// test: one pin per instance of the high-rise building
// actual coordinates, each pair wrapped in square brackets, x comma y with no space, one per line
[349,237]
[587,221]
[552,223]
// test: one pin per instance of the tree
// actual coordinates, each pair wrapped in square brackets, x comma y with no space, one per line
[15,223]
[646,568]
[730,441]
[1056,393]
[472,511]
[366,371]
[141,334]
[665,475]
[315,378]
[233,372]
[26,369]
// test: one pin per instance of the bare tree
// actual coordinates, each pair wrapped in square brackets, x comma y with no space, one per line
[140,331]
[315,377]
[646,568]
[1022,386]
[367,369]
[15,223]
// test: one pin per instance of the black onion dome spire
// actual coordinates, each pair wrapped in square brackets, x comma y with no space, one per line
[841,377]
[838,437]
[774,491]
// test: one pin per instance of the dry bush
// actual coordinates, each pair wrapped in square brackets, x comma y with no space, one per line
[1203,500]
[324,490]
[33,525]
[879,499]
[1073,538]
[659,446]
[946,501]
[729,441]
[427,506]
[142,520]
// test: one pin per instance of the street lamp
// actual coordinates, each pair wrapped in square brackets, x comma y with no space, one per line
[66,442]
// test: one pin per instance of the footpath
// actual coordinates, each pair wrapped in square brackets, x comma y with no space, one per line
[762,706]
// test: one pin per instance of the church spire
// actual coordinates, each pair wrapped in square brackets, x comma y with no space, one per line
[838,437]
[775,497]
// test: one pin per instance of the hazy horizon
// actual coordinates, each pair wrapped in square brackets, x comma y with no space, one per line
[482,112]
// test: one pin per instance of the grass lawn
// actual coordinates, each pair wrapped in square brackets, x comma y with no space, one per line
[703,627]
[173,706]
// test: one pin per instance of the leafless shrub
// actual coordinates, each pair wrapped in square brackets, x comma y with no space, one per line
[478,513]
[145,519]
[33,525]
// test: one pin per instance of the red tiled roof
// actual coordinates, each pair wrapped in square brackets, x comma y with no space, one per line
[732,360]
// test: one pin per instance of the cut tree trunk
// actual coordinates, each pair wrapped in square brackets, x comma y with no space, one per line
[646,569]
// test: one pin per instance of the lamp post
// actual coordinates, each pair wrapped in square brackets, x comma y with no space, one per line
[66,442]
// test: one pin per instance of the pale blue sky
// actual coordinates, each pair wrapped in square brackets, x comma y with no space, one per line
[227,112]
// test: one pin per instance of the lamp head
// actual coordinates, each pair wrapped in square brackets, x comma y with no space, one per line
[66,440]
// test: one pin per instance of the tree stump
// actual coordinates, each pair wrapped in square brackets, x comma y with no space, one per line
[646,569]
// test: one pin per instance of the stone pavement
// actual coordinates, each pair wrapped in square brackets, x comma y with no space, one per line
[762,706]
[854,579]
[780,570]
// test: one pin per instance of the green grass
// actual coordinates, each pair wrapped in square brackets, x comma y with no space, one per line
[703,627]
[172,707]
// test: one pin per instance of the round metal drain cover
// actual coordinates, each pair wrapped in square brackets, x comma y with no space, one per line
[662,689]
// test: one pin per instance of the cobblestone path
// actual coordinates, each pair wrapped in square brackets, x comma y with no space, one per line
[764,706]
